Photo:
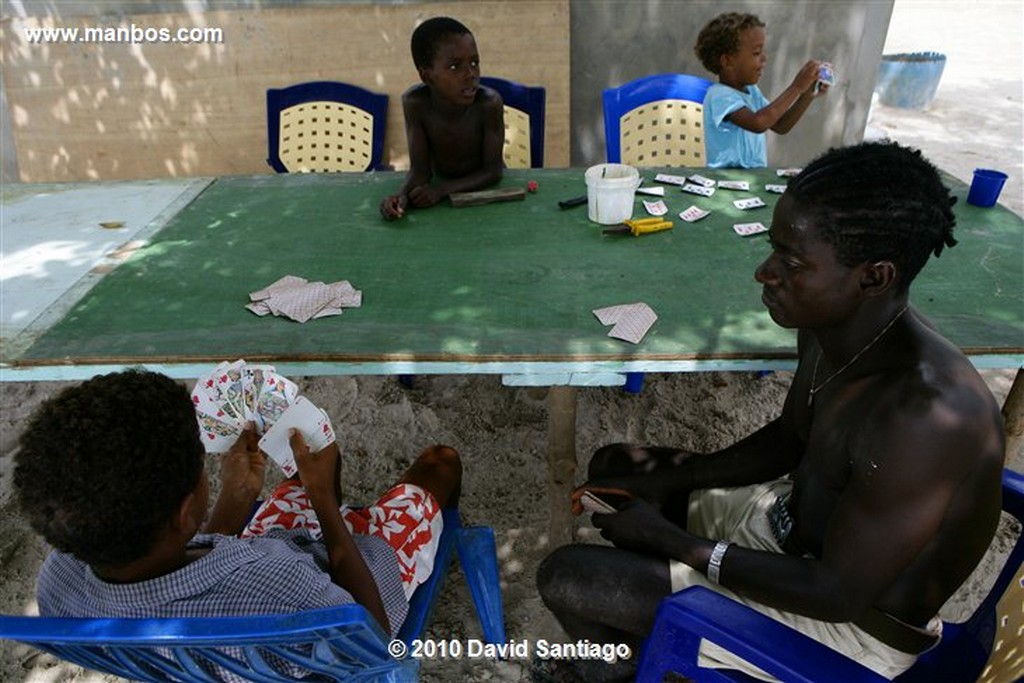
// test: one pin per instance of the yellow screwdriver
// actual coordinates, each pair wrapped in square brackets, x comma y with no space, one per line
[641,226]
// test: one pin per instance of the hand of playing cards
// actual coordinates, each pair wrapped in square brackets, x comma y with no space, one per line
[235,393]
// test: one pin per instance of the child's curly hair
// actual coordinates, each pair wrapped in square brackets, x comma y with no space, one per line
[105,464]
[721,36]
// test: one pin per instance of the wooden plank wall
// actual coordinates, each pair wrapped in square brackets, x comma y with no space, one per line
[120,111]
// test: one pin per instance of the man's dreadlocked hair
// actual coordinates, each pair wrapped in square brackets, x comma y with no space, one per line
[878,202]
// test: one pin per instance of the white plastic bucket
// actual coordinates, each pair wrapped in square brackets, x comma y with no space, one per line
[610,192]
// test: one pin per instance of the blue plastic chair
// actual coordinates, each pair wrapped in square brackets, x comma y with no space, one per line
[988,644]
[656,121]
[324,127]
[338,643]
[524,122]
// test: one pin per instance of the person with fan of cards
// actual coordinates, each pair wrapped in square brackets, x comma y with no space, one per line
[858,512]
[736,113]
[121,494]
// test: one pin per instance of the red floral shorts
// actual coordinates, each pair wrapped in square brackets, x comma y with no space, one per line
[406,517]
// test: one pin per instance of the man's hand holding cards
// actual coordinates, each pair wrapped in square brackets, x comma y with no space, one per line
[599,500]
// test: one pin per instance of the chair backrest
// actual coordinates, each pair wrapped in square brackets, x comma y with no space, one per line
[990,640]
[339,643]
[524,122]
[325,126]
[656,121]
[987,645]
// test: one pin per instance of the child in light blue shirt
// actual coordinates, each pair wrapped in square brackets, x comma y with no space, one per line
[736,112]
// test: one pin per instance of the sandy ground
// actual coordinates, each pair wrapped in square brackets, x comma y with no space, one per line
[976,120]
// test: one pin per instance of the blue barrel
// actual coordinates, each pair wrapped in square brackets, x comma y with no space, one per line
[909,80]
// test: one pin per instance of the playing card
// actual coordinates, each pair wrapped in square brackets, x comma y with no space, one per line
[693,214]
[777,189]
[747,229]
[228,380]
[296,298]
[693,188]
[701,180]
[749,203]
[670,179]
[218,432]
[656,208]
[632,321]
[283,284]
[345,295]
[734,185]
[592,503]
[276,395]
[301,304]
[204,393]
[260,308]
[253,377]
[653,191]
[788,172]
[826,74]
[310,421]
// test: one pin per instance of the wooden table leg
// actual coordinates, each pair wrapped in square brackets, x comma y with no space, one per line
[561,461]
[1013,423]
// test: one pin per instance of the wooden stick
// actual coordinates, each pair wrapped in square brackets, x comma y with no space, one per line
[503,194]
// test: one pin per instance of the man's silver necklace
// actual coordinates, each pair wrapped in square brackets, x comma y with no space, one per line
[814,376]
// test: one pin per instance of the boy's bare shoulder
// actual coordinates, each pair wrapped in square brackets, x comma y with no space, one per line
[417,94]
[488,97]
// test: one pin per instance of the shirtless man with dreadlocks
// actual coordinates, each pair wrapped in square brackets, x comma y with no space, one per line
[863,507]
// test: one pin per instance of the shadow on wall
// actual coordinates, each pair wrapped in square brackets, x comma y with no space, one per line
[176,93]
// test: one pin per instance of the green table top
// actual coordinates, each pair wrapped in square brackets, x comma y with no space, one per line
[514,281]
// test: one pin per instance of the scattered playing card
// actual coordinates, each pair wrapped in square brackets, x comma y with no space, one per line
[631,321]
[693,188]
[693,214]
[701,180]
[309,420]
[749,203]
[777,189]
[788,172]
[656,208]
[670,179]
[734,185]
[296,298]
[653,191]
[747,229]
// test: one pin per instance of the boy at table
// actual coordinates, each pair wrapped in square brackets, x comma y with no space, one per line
[858,512]
[454,126]
[736,112]
[121,494]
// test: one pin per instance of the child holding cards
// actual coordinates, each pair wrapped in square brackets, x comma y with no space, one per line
[121,494]
[454,126]
[736,113]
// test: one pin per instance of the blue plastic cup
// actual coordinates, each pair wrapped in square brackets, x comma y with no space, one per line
[985,187]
